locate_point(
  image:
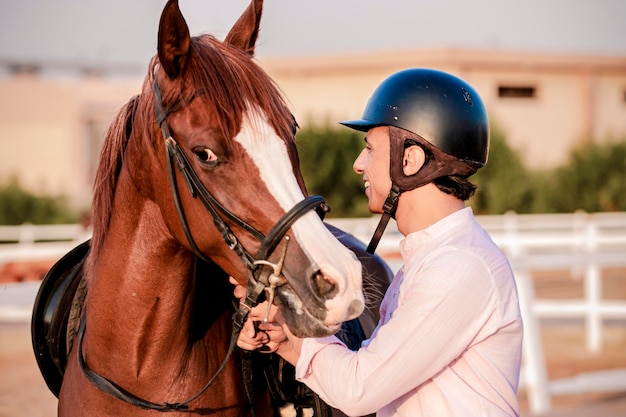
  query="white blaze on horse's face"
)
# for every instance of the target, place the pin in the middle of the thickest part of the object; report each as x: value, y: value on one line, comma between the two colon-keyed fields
x: 337, y: 263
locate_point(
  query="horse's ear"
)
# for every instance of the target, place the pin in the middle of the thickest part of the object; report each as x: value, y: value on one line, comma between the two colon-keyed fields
x: 244, y: 33
x: 174, y: 41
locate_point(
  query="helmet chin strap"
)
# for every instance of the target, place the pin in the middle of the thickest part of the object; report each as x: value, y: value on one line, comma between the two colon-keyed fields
x: 389, y: 210
x: 440, y: 164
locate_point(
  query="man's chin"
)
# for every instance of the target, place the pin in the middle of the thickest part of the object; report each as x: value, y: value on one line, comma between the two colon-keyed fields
x: 375, y: 207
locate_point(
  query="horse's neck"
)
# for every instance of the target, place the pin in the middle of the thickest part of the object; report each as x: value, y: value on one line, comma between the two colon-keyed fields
x: 149, y: 325
x: 140, y: 295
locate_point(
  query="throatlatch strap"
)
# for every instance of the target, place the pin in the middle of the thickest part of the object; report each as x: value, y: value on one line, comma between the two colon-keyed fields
x: 120, y: 393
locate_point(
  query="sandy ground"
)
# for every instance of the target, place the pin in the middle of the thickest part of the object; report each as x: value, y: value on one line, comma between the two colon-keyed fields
x: 23, y: 392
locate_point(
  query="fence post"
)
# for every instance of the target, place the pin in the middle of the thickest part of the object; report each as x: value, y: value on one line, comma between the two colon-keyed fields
x: 27, y: 235
x: 593, y: 293
x: 534, y: 369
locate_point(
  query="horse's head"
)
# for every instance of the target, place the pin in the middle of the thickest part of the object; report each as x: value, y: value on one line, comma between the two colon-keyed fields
x: 230, y: 138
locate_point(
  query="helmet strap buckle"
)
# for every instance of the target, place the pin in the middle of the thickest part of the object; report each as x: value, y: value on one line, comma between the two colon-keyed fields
x: 391, y: 202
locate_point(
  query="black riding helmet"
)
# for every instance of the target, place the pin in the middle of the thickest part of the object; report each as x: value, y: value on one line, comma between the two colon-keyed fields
x: 438, y: 110
x: 439, y: 107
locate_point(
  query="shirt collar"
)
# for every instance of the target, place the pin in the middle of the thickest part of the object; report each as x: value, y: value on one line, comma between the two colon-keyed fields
x: 434, y: 232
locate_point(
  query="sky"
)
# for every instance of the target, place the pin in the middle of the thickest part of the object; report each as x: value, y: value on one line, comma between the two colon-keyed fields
x: 123, y: 32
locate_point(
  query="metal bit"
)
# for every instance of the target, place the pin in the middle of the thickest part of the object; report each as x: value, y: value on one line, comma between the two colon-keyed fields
x: 275, y: 279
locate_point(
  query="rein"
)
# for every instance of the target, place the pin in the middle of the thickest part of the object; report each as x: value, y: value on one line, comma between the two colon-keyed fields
x: 256, y: 285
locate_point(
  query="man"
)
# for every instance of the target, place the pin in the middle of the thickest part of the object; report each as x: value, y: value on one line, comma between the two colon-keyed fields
x: 448, y: 342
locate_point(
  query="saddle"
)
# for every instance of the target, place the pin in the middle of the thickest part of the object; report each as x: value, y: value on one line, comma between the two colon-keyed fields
x: 55, y: 315
x: 59, y: 303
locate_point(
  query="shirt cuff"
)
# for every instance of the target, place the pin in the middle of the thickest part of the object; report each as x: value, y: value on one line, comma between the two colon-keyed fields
x: 309, y: 348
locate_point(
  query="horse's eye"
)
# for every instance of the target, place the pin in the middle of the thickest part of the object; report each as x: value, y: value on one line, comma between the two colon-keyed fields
x: 206, y: 155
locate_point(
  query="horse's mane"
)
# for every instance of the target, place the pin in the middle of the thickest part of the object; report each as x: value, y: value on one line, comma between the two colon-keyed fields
x: 230, y: 81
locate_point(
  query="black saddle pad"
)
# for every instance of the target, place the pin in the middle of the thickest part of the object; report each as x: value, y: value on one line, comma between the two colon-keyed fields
x: 51, y: 313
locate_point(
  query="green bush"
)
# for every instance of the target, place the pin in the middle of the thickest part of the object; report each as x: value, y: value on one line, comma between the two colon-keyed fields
x: 593, y: 180
x: 504, y: 183
x: 327, y: 155
x: 18, y: 206
x: 326, y: 158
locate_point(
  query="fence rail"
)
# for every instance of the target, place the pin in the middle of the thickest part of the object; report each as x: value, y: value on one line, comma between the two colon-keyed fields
x: 28, y: 234
x: 39, y: 242
x: 583, y: 244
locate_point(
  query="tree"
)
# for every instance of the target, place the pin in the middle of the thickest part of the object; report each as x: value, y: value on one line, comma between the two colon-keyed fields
x: 18, y: 206
x: 594, y: 178
x: 503, y: 183
x: 326, y: 158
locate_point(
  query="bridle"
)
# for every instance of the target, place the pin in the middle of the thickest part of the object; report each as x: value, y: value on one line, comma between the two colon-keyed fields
x: 257, y: 284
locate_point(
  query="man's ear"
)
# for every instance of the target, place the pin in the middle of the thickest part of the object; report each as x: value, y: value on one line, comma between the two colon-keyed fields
x: 413, y: 160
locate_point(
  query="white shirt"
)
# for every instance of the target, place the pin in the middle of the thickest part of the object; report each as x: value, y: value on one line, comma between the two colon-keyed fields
x: 449, y: 339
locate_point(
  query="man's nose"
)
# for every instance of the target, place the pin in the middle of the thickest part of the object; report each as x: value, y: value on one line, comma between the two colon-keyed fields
x: 357, y: 166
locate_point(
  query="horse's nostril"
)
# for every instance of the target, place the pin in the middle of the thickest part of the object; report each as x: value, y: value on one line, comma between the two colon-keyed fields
x: 324, y: 286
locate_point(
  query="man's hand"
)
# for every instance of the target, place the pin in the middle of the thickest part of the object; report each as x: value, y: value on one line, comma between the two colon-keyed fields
x: 268, y: 336
x: 258, y: 333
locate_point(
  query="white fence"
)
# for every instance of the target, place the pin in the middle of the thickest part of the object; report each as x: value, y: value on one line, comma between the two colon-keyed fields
x: 583, y: 244
x: 42, y: 242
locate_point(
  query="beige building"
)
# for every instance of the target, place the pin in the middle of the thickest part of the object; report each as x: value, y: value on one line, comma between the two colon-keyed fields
x: 543, y: 103
x: 52, y: 128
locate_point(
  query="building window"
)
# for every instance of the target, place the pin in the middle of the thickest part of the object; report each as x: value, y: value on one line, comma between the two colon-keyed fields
x: 20, y: 68
x: 506, y: 91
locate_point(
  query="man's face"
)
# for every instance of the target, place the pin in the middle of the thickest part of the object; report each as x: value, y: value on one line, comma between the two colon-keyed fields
x: 373, y: 164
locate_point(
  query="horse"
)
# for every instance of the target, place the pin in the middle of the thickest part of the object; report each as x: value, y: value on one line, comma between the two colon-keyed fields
x: 199, y: 180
